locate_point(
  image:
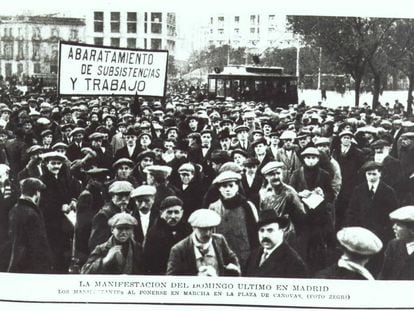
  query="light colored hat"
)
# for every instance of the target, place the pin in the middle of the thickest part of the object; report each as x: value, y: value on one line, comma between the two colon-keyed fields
x: 403, y: 214
x: 346, y: 132
x: 226, y: 176
x: 288, y: 135
x: 59, y: 145
x: 120, y: 187
x: 53, y: 155
x: 204, y: 218
x: 122, y: 219
x: 76, y: 130
x: 322, y: 141
x: 160, y: 169
x: 143, y: 190
x: 359, y: 240
x: 122, y: 161
x: 312, y: 151
x: 186, y: 167
x: 271, y: 166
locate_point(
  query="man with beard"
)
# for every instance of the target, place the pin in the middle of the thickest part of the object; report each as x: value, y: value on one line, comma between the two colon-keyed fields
x: 120, y: 194
x: 238, y: 215
x: 398, y: 257
x: 120, y: 254
x: 275, y: 258
x: 144, y: 212
x: 282, y: 198
x: 287, y: 155
x: 31, y: 252
x: 203, y: 252
x: 59, y: 197
x: 168, y: 230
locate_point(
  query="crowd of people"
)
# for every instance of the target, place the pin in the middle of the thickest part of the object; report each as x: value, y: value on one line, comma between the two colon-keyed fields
x: 212, y: 187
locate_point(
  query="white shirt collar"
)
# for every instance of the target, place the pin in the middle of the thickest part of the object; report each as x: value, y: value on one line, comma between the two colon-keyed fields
x: 410, y: 248
x: 373, y: 185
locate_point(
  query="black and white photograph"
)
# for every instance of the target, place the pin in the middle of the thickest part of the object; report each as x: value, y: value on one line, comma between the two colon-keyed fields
x: 204, y: 154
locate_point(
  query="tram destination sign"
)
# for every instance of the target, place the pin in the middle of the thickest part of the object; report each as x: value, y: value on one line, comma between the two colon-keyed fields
x: 99, y: 70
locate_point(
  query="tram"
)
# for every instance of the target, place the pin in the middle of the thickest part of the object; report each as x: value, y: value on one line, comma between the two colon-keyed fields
x: 252, y: 83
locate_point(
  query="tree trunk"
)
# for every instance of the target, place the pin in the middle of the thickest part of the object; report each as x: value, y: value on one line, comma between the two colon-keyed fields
x: 357, y: 88
x: 376, y: 91
x: 410, y: 95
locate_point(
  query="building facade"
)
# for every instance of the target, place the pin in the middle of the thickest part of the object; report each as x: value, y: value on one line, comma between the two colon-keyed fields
x: 29, y: 45
x: 253, y: 31
x: 132, y: 29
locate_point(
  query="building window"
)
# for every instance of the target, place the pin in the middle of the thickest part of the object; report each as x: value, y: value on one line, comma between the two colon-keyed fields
x: 156, y: 17
x: 156, y: 44
x: 132, y: 22
x: 36, y: 33
x: 253, y: 30
x: 115, y: 21
x: 98, y: 41
x: 54, y: 61
x: 156, y: 20
x: 115, y: 42
x: 74, y: 34
x: 131, y: 43
x: 236, y: 30
x: 220, y: 31
x: 271, y: 30
x: 271, y: 18
x: 237, y: 19
x: 20, y: 52
x: 156, y: 28
x: 171, y: 19
x: 8, y: 50
x: 252, y: 19
x: 211, y: 31
x: 36, y: 67
x: 98, y: 25
x: 19, y: 69
x: 211, y: 20
x: 54, y: 32
x: 145, y: 42
x: 36, y: 51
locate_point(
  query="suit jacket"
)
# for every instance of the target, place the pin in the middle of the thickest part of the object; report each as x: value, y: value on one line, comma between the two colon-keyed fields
x: 291, y: 163
x: 398, y: 265
x: 138, y: 232
x: 123, y: 153
x: 74, y: 151
x: 182, y: 259
x: 284, y: 262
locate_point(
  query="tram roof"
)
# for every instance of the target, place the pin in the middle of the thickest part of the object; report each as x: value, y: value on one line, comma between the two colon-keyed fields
x: 251, y: 71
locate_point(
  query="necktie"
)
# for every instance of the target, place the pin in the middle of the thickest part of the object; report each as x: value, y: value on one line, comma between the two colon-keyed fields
x: 371, y: 192
x: 264, y: 257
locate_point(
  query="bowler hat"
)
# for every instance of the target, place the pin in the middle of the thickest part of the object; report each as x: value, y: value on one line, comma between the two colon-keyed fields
x: 269, y: 216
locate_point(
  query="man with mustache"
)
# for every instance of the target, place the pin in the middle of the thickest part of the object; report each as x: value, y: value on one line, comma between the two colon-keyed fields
x: 274, y: 258
x: 120, y: 254
x: 168, y: 230
x: 287, y: 154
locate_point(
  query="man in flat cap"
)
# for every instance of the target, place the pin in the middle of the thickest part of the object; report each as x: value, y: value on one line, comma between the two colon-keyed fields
x: 242, y: 134
x: 168, y: 230
x: 120, y: 254
x: 358, y: 245
x: 31, y: 252
x: 274, y: 258
x: 144, y: 159
x: 287, y: 155
x: 203, y: 252
x: 59, y: 197
x: 144, y: 211
x: 399, y: 253
x: 74, y: 151
x: 252, y: 180
x: 282, y: 198
x: 34, y: 167
x: 120, y: 194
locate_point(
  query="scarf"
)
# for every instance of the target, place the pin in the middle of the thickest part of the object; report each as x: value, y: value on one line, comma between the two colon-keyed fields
x: 345, y: 263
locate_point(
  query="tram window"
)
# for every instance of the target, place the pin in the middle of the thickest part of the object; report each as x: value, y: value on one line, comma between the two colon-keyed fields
x: 220, y: 87
x: 228, y: 88
x: 212, y: 85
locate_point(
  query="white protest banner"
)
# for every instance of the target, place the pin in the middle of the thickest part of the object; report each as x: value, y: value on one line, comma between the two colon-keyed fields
x: 97, y: 70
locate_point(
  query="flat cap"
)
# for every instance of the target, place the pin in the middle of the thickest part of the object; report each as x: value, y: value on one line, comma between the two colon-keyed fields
x: 407, y: 135
x: 403, y: 214
x: 359, y: 240
x: 379, y: 143
x: 122, y: 219
x: 96, y: 135
x: 226, y: 176
x: 59, y: 145
x: 231, y: 166
x: 171, y: 201
x: 122, y: 161
x: 43, y: 121
x: 76, y: 130
x: 271, y: 166
x: 311, y: 151
x: 251, y: 161
x: 186, y: 167
x: 143, y: 191
x: 159, y: 169
x: 33, y: 149
x: 259, y: 141
x: 204, y: 218
x: 120, y: 187
x: 145, y: 154
x: 346, y: 132
x: 322, y: 141
x: 238, y: 151
x: 288, y: 135
x: 241, y: 128
x: 45, y: 133
x: 53, y: 155
x: 371, y: 165
x: 220, y: 156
